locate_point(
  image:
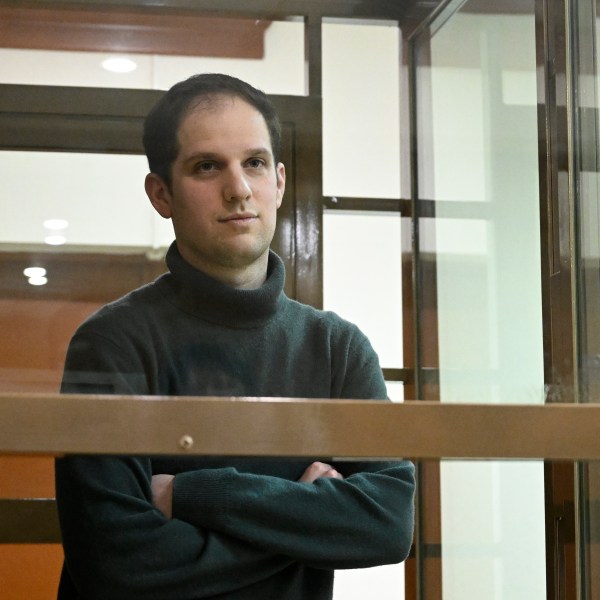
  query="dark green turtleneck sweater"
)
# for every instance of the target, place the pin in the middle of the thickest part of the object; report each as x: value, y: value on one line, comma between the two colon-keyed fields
x: 241, y: 528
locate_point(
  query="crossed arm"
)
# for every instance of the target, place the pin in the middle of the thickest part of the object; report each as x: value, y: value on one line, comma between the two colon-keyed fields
x: 118, y: 545
x: 162, y: 485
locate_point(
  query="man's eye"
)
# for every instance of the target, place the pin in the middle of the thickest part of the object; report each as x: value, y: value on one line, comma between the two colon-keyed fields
x: 256, y: 163
x: 205, y: 167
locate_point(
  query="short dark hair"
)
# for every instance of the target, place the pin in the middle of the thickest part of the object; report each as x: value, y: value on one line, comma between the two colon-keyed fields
x: 163, y: 121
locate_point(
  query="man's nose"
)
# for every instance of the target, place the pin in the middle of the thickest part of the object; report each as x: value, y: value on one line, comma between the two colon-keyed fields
x: 236, y: 186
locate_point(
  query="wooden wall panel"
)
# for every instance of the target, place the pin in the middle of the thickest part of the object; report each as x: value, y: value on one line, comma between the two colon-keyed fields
x: 36, y: 325
x: 26, y: 477
x: 35, y: 335
x: 148, y: 32
x: 30, y: 572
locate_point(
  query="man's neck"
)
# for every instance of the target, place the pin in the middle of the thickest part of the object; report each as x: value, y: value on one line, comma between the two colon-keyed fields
x: 248, y: 277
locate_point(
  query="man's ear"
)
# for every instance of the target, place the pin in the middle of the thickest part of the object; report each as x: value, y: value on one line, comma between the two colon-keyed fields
x: 159, y: 194
x: 280, y: 171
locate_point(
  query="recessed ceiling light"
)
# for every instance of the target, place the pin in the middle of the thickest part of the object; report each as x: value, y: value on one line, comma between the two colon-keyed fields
x: 34, y: 272
x: 55, y: 240
x: 38, y: 280
x: 119, y: 64
x: 36, y: 275
x: 56, y: 223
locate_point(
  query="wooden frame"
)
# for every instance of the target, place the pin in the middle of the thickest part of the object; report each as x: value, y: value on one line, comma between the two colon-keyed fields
x: 267, y: 9
x: 132, y: 32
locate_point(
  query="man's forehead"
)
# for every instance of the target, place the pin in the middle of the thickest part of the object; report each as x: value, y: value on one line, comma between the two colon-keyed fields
x: 211, y: 102
x: 215, y: 103
x: 249, y: 140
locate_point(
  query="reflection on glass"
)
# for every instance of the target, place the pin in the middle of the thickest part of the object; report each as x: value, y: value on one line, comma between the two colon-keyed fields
x: 361, y: 110
x: 90, y: 203
x: 94, y: 200
x: 481, y: 67
x: 478, y: 163
x: 484, y: 238
x: 586, y: 88
x: 280, y: 70
x: 383, y: 583
x: 56, y: 206
x: 362, y: 251
x: 492, y: 538
x: 362, y: 270
x: 395, y: 390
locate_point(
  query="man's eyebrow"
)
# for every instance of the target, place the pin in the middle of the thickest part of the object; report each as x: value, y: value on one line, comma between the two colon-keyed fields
x: 202, y: 156
x: 207, y: 155
x: 260, y: 150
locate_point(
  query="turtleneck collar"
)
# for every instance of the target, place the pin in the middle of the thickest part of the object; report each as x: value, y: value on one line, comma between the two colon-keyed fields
x: 213, y: 301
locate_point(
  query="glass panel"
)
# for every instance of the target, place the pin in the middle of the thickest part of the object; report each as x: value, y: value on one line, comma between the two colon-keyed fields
x: 492, y: 540
x: 361, y: 135
x: 480, y: 257
x: 590, y: 522
x: 586, y: 90
x: 395, y: 390
x: 480, y: 73
x: 383, y: 583
x: 362, y: 251
x: 57, y: 206
x: 81, y: 190
x: 493, y: 530
x: 482, y: 249
x: 362, y: 271
x: 280, y: 69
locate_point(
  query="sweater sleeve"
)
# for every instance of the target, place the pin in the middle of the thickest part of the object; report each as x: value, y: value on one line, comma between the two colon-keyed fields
x: 363, y: 520
x: 117, y: 545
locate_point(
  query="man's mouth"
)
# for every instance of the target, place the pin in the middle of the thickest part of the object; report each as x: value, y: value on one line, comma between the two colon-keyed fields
x: 244, y: 217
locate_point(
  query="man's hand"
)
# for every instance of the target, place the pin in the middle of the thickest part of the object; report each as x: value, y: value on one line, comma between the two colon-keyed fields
x: 162, y: 494
x: 319, y: 469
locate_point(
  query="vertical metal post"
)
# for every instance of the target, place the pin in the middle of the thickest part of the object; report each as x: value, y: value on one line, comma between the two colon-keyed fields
x: 314, y: 58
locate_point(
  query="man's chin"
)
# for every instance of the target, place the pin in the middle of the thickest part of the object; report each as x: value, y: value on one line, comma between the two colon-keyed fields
x: 244, y: 256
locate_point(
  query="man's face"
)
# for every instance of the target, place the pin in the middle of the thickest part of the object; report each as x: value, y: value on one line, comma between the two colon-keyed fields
x: 225, y: 189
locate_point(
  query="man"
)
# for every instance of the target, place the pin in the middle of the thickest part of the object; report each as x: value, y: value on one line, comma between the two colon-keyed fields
x: 219, y: 324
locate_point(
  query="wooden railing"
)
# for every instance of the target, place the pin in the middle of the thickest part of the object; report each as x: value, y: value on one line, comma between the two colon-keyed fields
x: 66, y: 424
x: 341, y: 429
